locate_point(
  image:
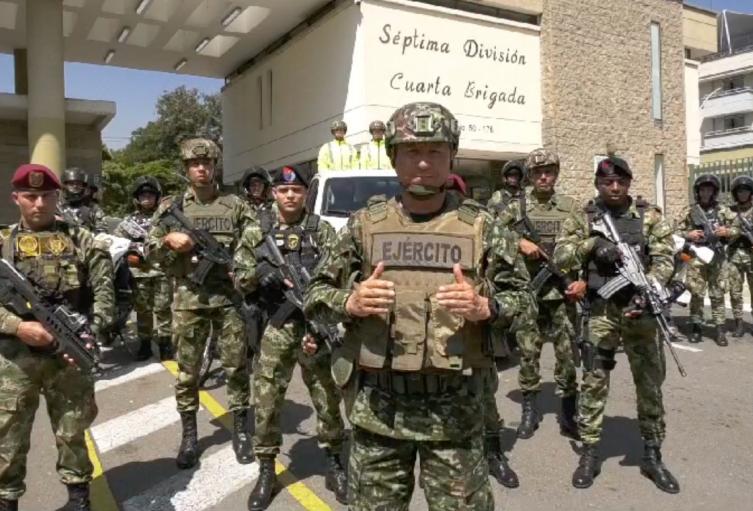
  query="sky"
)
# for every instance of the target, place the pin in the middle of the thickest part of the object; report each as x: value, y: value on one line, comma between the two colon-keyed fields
x: 135, y: 92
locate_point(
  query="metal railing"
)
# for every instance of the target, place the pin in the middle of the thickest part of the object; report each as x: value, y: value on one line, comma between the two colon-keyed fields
x: 725, y: 170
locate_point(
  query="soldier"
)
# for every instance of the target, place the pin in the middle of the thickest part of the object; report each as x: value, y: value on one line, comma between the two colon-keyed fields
x: 256, y: 183
x: 740, y: 262
x: 416, y: 281
x: 579, y: 247
x: 77, y: 201
x: 513, y: 182
x: 719, y: 218
x: 545, y: 210
x: 337, y: 154
x: 69, y: 265
x: 212, y: 306
x: 146, y: 193
x: 302, y: 239
x: 373, y: 153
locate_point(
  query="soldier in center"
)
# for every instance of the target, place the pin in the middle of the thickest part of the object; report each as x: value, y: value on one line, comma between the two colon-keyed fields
x: 417, y: 281
x: 620, y: 320
x: 302, y: 238
x: 538, y: 215
x: 212, y: 306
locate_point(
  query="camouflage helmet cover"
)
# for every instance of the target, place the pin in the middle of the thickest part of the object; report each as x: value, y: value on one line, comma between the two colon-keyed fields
x: 741, y: 182
x: 377, y: 125
x: 75, y: 174
x: 146, y: 183
x: 338, y: 125
x: 706, y: 179
x: 422, y: 122
x: 542, y: 158
x: 193, y: 148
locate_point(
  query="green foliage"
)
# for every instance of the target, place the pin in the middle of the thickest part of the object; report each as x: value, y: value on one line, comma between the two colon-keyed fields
x: 117, y: 179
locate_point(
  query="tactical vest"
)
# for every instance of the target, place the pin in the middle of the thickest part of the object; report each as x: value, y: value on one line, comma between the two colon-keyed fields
x: 418, y: 334
x: 49, y: 259
x: 297, y: 243
x: 547, y: 220
x: 713, y: 215
x: 630, y: 230
x: 741, y: 242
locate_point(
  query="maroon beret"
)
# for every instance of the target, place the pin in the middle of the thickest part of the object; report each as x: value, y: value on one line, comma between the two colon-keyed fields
x: 34, y: 177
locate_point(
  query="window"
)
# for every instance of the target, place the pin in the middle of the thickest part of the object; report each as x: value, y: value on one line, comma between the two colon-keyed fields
x: 311, y: 196
x: 733, y: 122
x: 659, y: 198
x: 736, y: 82
x: 344, y: 195
x: 269, y: 93
x: 656, y: 106
x: 260, y: 90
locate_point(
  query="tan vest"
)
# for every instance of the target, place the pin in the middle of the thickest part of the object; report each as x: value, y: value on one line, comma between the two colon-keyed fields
x: 420, y: 335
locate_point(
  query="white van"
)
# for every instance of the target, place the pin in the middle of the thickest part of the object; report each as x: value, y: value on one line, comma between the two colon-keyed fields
x: 335, y: 195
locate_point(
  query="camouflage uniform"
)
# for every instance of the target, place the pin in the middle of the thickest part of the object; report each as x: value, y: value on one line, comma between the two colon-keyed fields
x: 739, y: 263
x: 699, y: 275
x: 65, y: 258
x: 88, y: 214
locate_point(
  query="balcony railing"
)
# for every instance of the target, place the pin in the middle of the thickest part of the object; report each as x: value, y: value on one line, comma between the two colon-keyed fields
x: 722, y: 139
x: 728, y: 102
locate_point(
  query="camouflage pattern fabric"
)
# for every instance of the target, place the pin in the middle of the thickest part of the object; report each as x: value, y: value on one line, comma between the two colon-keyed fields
x: 501, y: 198
x: 493, y: 421
x: 163, y: 314
x: 68, y: 257
x: 191, y: 329
x: 280, y: 352
x: 609, y: 327
x: 739, y: 264
x: 87, y: 214
x: 454, y: 474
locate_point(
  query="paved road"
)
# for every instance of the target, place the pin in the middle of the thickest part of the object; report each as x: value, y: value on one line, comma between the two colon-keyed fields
x: 709, y: 446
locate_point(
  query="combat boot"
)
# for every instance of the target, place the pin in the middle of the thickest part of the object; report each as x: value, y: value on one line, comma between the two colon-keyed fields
x: 529, y: 420
x: 336, y: 481
x: 653, y: 468
x: 188, y: 452
x: 499, y: 467
x: 166, y: 351
x: 145, y: 349
x: 242, y: 445
x: 8, y: 505
x: 78, y: 497
x: 696, y: 333
x: 262, y: 494
x: 568, y: 424
x: 719, y: 336
x: 588, y: 467
x: 739, y: 328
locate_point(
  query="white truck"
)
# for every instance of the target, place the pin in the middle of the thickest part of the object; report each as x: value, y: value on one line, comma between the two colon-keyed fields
x: 336, y: 194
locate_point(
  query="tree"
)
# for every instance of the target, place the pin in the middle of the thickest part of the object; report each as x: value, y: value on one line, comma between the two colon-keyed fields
x: 118, y: 178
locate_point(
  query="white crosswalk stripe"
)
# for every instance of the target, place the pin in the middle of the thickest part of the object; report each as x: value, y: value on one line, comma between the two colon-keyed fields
x: 134, y: 374
x: 218, y: 476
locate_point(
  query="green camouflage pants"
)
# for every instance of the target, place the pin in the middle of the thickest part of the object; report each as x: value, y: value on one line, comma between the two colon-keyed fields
x: 70, y: 406
x: 555, y: 323
x: 152, y: 306
x: 163, y: 299
x: 737, y: 272
x: 698, y: 277
x: 280, y: 351
x: 191, y: 329
x: 608, y: 329
x: 493, y: 422
x: 454, y: 474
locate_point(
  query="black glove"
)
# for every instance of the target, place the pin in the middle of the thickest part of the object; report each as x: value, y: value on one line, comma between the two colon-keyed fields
x: 605, y: 252
x: 269, y: 276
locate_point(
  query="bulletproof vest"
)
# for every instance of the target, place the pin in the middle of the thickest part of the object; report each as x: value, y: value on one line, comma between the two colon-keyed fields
x: 81, y: 214
x: 507, y: 197
x: 49, y: 260
x: 418, y: 334
x: 630, y: 230
x: 547, y: 219
x: 297, y: 244
x: 713, y: 216
x: 741, y: 242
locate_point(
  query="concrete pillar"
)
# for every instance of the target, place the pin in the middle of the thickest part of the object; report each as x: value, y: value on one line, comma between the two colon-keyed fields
x: 20, y: 74
x: 46, y: 83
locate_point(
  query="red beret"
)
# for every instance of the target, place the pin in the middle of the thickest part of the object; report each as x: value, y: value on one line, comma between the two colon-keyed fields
x: 34, y: 177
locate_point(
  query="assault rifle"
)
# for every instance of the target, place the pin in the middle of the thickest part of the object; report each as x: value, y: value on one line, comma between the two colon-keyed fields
x: 657, y: 297
x: 208, y: 251
x: 70, y: 329
x: 583, y: 349
x: 299, y: 277
x: 746, y: 228
x: 547, y: 270
x: 699, y: 218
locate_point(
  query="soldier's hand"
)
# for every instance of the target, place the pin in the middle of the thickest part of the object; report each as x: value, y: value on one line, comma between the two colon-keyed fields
x: 696, y: 235
x: 529, y: 249
x: 576, y: 291
x: 372, y: 296
x: 461, y: 298
x: 34, y: 334
x: 309, y: 345
x: 178, y: 242
x: 722, y: 231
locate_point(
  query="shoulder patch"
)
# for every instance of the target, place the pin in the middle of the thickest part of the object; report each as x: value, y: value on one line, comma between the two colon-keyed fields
x: 376, y: 208
x: 565, y: 203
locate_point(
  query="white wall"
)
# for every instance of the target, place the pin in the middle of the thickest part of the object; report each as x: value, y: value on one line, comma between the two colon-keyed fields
x: 692, y: 112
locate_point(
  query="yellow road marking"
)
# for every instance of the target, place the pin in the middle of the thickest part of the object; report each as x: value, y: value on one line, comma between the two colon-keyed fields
x: 298, y: 490
x: 102, y: 498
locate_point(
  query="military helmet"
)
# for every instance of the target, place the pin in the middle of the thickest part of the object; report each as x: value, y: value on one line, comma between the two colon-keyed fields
x: 377, y: 125
x: 514, y: 165
x: 542, y: 158
x: 75, y: 174
x: 741, y: 182
x: 146, y: 183
x: 338, y: 125
x: 706, y: 179
x: 422, y: 122
x: 193, y: 148
x: 255, y: 171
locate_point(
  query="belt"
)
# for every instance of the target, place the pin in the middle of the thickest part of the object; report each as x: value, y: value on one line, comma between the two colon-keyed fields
x: 417, y: 383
